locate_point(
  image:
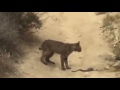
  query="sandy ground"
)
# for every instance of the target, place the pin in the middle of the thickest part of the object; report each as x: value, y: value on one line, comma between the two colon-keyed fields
x: 70, y: 27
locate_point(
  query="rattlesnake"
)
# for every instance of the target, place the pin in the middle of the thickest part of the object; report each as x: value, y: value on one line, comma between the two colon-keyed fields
x: 88, y: 70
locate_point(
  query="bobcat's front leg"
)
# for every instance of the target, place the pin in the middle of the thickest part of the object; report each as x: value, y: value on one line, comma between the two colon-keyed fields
x: 62, y: 62
x: 66, y: 63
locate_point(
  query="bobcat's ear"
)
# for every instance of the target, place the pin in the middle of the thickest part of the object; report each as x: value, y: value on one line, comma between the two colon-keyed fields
x: 78, y: 42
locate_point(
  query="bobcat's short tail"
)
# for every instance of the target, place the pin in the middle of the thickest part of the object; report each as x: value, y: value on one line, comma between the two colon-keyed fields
x: 40, y: 48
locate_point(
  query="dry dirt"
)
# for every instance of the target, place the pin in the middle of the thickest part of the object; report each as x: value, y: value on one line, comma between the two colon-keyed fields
x: 70, y: 27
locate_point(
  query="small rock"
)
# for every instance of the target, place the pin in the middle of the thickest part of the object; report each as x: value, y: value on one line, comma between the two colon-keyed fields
x: 116, y: 64
x: 86, y: 74
x: 107, y: 67
x: 80, y: 35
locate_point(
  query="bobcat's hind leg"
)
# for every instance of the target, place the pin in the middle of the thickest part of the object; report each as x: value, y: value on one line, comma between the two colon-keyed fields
x: 43, y: 57
x: 48, y: 58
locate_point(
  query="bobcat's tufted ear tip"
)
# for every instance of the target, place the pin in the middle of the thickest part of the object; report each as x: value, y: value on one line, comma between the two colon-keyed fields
x: 78, y: 42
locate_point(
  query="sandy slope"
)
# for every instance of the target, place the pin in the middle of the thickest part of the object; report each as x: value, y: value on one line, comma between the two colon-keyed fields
x: 69, y: 27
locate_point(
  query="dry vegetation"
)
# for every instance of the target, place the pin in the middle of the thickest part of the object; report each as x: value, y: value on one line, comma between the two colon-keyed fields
x: 15, y: 29
x: 99, y: 13
x: 111, y: 32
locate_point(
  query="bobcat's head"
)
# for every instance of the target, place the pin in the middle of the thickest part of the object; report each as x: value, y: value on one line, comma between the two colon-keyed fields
x: 77, y: 47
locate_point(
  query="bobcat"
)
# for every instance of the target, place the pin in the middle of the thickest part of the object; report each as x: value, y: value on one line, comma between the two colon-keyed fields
x: 49, y: 47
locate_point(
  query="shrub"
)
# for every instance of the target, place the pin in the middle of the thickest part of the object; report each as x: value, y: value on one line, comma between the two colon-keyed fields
x: 111, y: 32
x: 13, y: 27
